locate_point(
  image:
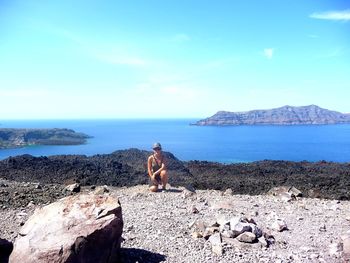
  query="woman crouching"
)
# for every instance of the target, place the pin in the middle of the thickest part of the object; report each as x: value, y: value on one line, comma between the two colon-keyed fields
x: 157, y: 168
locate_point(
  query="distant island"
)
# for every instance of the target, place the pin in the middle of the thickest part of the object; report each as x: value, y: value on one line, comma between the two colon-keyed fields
x: 15, y: 138
x: 286, y: 115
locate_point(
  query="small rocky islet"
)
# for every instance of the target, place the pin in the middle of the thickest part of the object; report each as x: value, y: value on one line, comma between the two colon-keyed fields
x: 299, y: 210
x: 286, y: 115
x: 16, y: 138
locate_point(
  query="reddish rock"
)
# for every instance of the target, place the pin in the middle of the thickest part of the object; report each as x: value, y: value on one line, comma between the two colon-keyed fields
x: 80, y: 228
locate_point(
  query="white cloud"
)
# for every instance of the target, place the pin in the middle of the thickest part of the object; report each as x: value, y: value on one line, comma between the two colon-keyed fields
x: 332, y: 15
x: 180, y: 38
x: 268, y: 52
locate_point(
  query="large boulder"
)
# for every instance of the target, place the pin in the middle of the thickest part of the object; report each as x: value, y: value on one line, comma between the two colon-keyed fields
x: 80, y: 228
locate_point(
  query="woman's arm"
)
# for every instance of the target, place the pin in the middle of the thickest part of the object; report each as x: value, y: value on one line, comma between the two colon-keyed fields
x: 149, y: 166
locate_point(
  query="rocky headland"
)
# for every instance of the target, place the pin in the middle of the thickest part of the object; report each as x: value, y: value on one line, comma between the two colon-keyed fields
x: 286, y: 115
x: 14, y: 138
x: 297, y: 211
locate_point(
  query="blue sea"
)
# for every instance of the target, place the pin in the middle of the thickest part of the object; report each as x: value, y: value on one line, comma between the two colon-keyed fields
x: 229, y: 144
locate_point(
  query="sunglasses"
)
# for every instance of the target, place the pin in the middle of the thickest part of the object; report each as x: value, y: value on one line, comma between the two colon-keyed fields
x: 156, y: 149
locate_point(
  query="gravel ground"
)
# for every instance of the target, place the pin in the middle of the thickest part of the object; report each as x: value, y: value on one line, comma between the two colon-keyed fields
x: 157, y: 225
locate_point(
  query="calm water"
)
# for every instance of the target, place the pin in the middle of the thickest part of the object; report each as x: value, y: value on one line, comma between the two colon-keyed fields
x: 221, y: 144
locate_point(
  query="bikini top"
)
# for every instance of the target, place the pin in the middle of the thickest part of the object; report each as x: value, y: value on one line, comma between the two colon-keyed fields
x: 155, y: 165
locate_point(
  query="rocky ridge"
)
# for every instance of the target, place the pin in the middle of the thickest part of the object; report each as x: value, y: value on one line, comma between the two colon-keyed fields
x: 286, y: 115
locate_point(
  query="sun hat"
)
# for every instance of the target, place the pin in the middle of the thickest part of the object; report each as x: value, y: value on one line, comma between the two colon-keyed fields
x: 157, y: 145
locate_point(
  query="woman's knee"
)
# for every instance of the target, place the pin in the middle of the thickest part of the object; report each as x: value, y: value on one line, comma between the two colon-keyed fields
x: 153, y: 188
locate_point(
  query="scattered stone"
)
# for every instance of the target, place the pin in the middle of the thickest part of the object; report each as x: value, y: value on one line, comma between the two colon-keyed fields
x: 222, y: 221
x: 228, y: 234
x: 234, y: 221
x: 263, y: 242
x: 279, y: 225
x: 31, y: 204
x: 200, y: 225
x: 73, y: 188
x: 100, y: 190
x: 270, y: 239
x: 197, y: 235
x: 215, y: 241
x: 195, y: 210
x: 228, y: 192
x: 323, y: 228
x: 256, y: 230
x: 232, y: 232
x: 286, y: 197
x: 241, y: 228
x: 286, y: 193
x: 247, y: 237
x: 212, y: 223
x: 296, y: 192
x: 209, y: 231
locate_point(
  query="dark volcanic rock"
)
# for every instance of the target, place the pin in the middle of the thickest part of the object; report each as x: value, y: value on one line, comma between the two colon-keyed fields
x: 6, y: 248
x: 21, y: 194
x: 128, y: 168
x: 12, y: 138
x: 121, y: 168
x: 330, y: 180
x: 286, y: 115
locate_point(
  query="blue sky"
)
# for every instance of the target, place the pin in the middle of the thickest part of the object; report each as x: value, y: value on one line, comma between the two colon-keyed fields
x: 171, y: 59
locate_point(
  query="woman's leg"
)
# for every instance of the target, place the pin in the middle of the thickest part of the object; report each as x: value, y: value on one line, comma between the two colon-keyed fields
x: 164, y: 178
x: 154, y: 184
x: 154, y: 188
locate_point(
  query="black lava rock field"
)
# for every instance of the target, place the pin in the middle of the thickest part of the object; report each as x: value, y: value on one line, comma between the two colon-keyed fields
x: 128, y: 168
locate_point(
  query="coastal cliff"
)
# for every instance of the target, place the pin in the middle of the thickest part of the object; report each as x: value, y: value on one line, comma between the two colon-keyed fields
x: 14, y: 138
x: 286, y: 115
